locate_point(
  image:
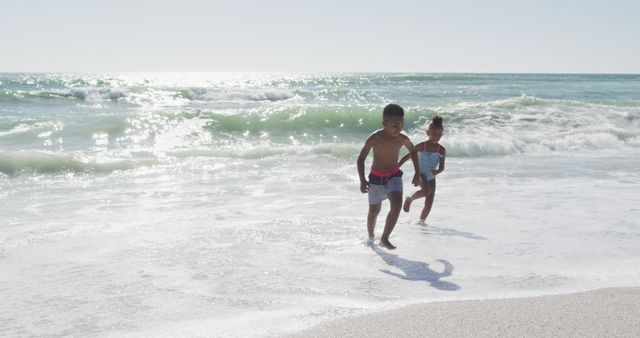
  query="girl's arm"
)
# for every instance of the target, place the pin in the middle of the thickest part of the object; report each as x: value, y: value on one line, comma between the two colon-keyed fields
x: 414, y: 159
x: 404, y: 159
x: 407, y: 157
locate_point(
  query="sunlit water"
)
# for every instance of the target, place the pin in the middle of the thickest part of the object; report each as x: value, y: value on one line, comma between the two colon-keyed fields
x: 229, y: 204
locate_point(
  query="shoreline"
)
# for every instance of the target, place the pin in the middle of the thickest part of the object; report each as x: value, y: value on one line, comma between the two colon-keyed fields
x: 597, y: 313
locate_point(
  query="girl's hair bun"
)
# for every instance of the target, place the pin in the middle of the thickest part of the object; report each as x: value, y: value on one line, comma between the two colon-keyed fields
x: 437, y: 121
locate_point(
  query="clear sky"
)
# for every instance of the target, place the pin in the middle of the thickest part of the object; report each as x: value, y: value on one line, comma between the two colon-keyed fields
x: 560, y: 36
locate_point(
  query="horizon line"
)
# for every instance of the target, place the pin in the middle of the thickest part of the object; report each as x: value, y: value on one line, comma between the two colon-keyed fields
x: 328, y: 72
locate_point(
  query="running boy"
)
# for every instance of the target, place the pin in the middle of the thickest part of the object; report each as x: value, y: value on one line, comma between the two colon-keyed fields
x: 385, y: 179
x: 431, y: 155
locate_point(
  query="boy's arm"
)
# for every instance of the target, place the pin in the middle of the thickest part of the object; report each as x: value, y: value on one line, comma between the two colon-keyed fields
x: 406, y: 157
x: 364, y: 185
x: 414, y: 159
x: 441, y: 165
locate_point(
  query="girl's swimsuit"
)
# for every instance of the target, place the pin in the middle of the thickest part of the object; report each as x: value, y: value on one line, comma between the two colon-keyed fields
x: 428, y: 162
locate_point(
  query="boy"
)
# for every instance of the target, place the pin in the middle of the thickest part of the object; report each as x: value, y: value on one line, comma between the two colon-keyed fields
x: 385, y: 179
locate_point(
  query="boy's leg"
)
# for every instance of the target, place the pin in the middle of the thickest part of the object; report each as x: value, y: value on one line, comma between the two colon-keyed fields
x: 377, y: 194
x: 428, y: 201
x: 395, y: 199
x: 372, y: 216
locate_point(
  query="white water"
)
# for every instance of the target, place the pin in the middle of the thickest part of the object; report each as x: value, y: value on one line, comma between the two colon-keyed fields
x: 199, y: 208
x: 259, y: 247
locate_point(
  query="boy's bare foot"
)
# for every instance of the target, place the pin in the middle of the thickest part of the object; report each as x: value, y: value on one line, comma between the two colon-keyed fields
x: 370, y: 240
x: 387, y: 244
x: 407, y: 204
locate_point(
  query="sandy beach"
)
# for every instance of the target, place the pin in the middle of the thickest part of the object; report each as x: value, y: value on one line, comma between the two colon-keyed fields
x: 601, y: 313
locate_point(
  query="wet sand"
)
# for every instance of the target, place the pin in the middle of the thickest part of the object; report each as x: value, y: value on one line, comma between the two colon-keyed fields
x: 611, y: 312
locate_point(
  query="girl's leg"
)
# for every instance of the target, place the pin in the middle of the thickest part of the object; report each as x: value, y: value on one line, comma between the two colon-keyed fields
x: 418, y: 194
x: 372, y: 216
x: 428, y: 201
x: 409, y: 199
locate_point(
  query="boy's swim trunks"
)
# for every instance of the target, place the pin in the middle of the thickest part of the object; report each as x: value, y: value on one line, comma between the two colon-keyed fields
x: 382, y: 183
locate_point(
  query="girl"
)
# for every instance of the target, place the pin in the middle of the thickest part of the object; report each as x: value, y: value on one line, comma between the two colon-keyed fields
x: 431, y: 155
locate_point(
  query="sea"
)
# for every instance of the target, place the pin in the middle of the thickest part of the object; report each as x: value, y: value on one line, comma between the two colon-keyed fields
x: 228, y: 204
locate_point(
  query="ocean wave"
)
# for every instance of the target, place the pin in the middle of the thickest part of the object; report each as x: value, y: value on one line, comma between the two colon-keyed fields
x: 16, y: 129
x: 514, y: 115
x: 522, y: 101
x: 305, y: 120
x: 517, y: 125
x: 215, y: 90
x: 85, y: 94
x: 528, y: 124
x: 483, y: 145
x: 112, y: 94
x: 528, y: 111
x: 29, y: 128
x: 261, y: 151
x: 152, y: 96
x: 35, y: 162
x: 38, y: 162
x: 225, y: 94
x: 339, y: 108
x: 35, y: 129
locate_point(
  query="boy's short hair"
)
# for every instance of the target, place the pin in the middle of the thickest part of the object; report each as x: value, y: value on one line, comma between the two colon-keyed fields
x: 393, y: 109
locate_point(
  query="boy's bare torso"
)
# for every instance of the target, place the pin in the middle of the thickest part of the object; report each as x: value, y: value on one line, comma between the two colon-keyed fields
x: 386, y: 150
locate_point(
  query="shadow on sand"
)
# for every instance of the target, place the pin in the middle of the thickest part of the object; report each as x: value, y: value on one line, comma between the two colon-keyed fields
x: 431, y: 230
x: 417, y: 271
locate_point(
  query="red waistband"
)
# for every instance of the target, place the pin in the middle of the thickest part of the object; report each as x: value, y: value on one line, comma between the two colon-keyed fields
x: 385, y: 173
